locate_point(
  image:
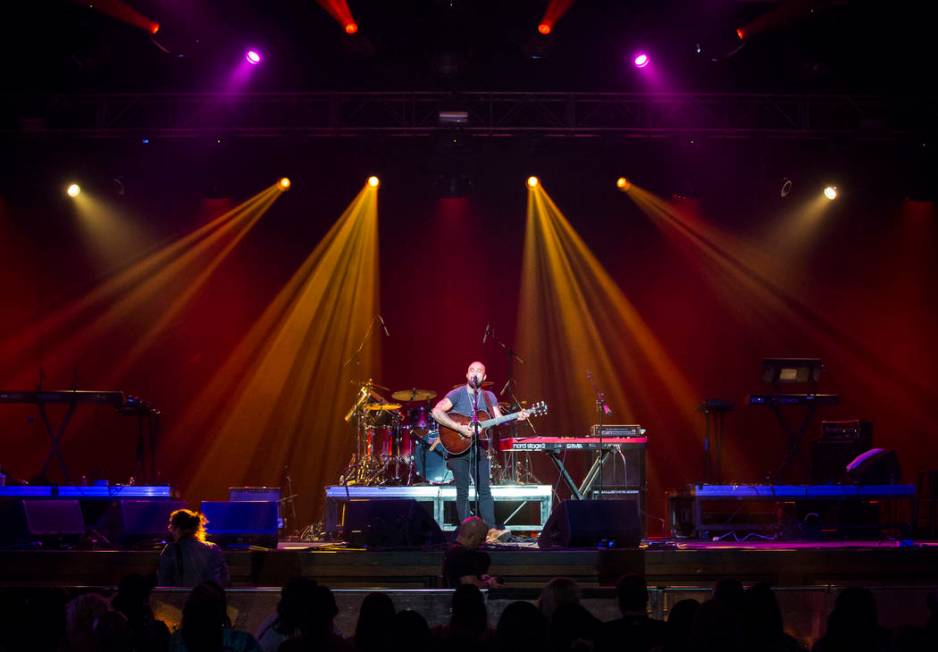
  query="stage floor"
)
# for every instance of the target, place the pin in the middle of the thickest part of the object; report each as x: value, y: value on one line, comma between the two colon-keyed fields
x: 665, y: 563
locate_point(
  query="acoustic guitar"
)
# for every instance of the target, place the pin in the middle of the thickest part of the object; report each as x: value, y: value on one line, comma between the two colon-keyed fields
x: 456, y: 443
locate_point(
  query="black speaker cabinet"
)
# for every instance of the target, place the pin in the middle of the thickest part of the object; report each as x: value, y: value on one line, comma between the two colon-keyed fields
x: 137, y: 523
x: 389, y: 523
x: 591, y: 524
x: 829, y: 460
x: 48, y: 523
x: 241, y: 523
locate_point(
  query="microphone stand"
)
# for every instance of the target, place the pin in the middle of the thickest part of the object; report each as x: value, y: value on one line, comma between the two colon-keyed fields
x: 509, y: 387
x: 601, y: 406
x: 512, y: 357
x: 474, y: 450
x: 356, y: 354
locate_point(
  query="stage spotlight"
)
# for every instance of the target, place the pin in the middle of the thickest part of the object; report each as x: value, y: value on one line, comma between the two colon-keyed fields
x: 284, y: 183
x: 785, y: 190
x: 641, y: 60
x: 830, y: 192
x: 544, y: 29
x: 533, y: 182
x: 623, y: 184
x: 73, y: 190
x: 154, y: 27
x: 351, y: 28
x: 740, y: 33
x: 253, y: 57
x: 374, y: 182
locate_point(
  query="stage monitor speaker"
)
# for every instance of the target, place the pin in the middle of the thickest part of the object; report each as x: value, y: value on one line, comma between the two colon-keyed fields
x: 829, y: 460
x: 592, y: 524
x: 875, y: 466
x: 389, y: 523
x: 241, y: 523
x: 137, y: 523
x: 271, y: 494
x: 48, y: 523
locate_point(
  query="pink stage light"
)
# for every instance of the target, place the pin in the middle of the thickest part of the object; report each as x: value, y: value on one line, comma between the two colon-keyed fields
x: 253, y: 57
x: 641, y: 60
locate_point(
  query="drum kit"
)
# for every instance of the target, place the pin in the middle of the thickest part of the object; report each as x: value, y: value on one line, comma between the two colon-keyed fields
x: 397, y: 441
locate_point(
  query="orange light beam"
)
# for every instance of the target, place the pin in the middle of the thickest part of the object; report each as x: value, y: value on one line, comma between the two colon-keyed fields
x: 554, y: 12
x: 776, y: 18
x: 340, y: 11
x: 123, y: 12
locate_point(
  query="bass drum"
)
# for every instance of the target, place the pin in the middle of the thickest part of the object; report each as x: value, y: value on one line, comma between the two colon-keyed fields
x: 429, y: 464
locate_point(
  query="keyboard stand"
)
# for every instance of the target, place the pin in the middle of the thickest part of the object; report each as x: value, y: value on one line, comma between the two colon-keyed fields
x: 55, y: 440
x: 579, y: 492
x: 555, y: 457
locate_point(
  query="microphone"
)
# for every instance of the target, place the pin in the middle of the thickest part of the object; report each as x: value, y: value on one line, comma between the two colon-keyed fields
x: 474, y: 382
x: 488, y: 330
x: 381, y: 319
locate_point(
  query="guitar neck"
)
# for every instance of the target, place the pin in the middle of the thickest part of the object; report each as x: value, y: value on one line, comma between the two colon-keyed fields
x: 496, y: 421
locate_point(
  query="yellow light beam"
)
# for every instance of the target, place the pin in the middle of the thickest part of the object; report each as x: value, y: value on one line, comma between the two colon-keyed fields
x: 282, y: 394
x: 172, y: 284
x: 761, y: 283
x: 79, y: 315
x: 573, y: 317
x: 178, y: 302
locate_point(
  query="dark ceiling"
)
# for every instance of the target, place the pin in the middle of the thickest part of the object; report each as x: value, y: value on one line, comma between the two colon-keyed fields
x: 860, y: 47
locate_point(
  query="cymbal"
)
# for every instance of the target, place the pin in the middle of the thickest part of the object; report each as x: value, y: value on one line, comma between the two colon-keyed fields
x: 376, y: 407
x: 485, y: 384
x: 370, y: 384
x: 376, y: 397
x: 412, y: 395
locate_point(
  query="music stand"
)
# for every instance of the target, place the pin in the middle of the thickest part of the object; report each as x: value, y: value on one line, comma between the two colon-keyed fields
x: 802, y: 371
x: 792, y: 371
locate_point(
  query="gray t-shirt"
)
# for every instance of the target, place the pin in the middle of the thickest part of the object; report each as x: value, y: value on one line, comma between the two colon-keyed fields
x: 190, y: 562
x: 462, y: 403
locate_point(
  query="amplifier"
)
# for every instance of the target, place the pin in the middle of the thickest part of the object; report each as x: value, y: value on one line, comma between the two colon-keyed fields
x: 618, y: 430
x: 848, y: 430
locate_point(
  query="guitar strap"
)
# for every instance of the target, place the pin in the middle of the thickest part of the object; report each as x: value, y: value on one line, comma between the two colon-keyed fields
x: 488, y: 408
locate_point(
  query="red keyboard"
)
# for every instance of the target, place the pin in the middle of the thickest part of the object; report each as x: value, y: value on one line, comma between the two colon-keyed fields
x: 565, y: 443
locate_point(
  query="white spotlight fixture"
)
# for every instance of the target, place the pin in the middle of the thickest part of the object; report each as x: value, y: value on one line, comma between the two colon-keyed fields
x: 73, y: 190
x: 830, y: 192
x: 533, y: 182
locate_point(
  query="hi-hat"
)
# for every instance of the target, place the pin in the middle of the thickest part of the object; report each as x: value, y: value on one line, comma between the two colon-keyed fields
x: 369, y: 384
x: 412, y: 395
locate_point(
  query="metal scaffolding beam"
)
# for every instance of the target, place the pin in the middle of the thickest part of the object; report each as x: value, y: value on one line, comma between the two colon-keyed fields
x: 488, y: 114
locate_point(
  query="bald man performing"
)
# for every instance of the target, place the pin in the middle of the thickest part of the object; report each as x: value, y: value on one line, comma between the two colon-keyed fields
x: 461, y: 401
